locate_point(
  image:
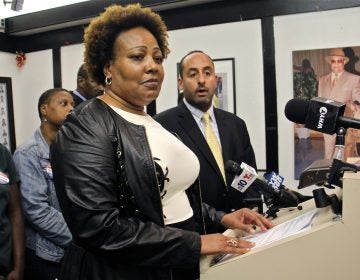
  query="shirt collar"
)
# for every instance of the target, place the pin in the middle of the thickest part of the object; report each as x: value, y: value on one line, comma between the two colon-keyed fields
x: 197, y: 113
x: 79, y: 95
x: 337, y: 75
x: 43, y: 147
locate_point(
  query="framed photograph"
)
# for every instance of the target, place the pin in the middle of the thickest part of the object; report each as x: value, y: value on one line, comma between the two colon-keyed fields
x: 333, y: 74
x: 7, y: 128
x: 225, y: 94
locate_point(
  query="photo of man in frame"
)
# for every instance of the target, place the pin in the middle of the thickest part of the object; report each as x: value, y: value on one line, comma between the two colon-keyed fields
x: 333, y: 74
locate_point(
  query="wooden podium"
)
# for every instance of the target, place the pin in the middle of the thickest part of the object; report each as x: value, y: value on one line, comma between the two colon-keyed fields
x: 330, y: 250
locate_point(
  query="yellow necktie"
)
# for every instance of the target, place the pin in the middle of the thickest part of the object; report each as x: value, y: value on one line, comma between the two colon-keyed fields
x: 335, y: 80
x: 213, y: 143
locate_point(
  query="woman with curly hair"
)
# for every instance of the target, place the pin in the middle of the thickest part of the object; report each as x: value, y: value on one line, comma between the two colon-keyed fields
x: 127, y: 187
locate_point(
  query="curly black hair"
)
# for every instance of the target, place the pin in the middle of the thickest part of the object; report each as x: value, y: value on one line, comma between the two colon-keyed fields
x: 100, y: 35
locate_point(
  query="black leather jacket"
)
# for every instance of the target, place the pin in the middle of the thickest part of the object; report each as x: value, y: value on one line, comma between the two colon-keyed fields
x: 106, y: 182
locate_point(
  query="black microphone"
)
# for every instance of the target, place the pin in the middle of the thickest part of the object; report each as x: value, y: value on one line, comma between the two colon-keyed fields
x: 246, y: 176
x: 319, y: 114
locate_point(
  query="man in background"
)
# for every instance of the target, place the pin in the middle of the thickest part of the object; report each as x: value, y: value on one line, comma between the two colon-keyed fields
x: 86, y: 88
x: 342, y: 86
x: 192, y: 120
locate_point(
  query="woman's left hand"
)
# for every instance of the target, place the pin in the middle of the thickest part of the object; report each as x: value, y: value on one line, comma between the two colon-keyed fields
x: 245, y: 219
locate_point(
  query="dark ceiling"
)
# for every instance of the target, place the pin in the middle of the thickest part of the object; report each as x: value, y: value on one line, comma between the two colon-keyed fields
x: 190, y: 12
x: 80, y: 14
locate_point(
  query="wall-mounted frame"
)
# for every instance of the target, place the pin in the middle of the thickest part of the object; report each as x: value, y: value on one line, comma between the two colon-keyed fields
x: 225, y: 92
x: 7, y: 128
x: 312, y: 76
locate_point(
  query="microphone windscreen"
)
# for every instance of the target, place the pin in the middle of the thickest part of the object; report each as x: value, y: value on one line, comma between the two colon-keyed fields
x: 296, y: 110
x: 232, y: 167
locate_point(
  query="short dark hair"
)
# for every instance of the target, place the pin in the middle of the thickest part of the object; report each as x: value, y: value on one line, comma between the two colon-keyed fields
x: 102, y: 31
x: 181, y: 63
x: 82, y: 72
x: 46, y: 96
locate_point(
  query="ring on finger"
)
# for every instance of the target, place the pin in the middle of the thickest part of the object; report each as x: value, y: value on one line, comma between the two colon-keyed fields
x: 232, y: 243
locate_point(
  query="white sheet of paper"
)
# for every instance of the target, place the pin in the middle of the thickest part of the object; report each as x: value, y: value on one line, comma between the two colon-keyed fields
x: 288, y: 228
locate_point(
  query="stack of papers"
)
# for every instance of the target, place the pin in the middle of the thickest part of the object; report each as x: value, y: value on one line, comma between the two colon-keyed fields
x: 294, y: 226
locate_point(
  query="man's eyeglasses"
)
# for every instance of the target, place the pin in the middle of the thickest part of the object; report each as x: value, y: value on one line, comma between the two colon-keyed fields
x: 336, y: 61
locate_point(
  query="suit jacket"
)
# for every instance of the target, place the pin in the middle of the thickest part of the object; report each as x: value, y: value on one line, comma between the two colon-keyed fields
x: 235, y: 144
x: 346, y: 89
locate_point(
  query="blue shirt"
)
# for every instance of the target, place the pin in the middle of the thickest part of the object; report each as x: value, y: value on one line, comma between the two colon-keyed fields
x: 46, y: 231
x: 79, y: 95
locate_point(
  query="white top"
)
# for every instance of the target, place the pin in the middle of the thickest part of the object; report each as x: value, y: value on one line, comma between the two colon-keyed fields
x: 176, y: 159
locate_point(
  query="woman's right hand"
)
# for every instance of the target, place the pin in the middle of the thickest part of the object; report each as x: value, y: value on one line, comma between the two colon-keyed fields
x: 220, y: 244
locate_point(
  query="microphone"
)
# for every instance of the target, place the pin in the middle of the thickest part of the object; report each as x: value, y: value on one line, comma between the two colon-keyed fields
x: 325, y: 116
x: 274, y: 192
x: 319, y: 114
x: 274, y: 180
x: 245, y: 176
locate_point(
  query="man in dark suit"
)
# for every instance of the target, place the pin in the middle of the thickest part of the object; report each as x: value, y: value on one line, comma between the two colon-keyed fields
x: 86, y: 88
x: 198, y: 83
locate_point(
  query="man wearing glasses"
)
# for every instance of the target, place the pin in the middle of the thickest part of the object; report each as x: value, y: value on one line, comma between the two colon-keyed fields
x: 342, y: 86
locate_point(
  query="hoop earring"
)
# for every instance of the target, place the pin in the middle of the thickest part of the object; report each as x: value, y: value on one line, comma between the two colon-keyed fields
x: 108, y: 81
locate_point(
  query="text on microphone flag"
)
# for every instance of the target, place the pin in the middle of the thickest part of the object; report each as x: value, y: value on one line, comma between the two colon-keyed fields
x: 244, y: 180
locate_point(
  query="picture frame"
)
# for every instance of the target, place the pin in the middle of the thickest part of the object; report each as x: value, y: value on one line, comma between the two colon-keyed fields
x: 225, y: 91
x: 312, y: 74
x: 7, y: 127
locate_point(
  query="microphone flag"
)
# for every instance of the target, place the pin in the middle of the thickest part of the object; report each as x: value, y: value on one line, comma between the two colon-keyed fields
x: 244, y: 180
x: 323, y: 114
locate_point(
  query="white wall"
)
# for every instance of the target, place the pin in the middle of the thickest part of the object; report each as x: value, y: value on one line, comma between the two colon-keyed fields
x: 335, y: 28
x: 71, y: 59
x: 28, y: 83
x: 34, y: 78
